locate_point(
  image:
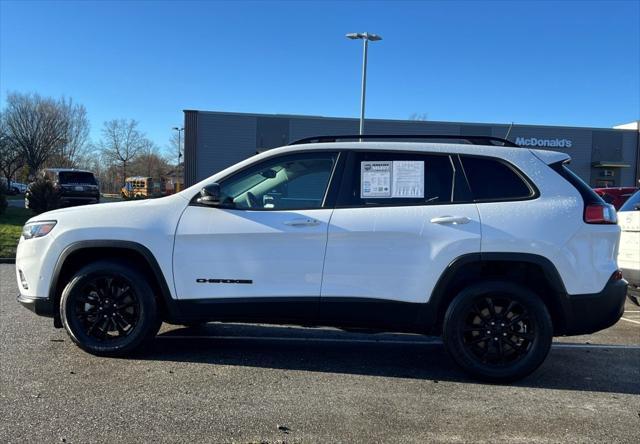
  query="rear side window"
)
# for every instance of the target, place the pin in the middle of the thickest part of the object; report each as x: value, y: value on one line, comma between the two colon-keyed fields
x: 494, y: 180
x: 397, y: 179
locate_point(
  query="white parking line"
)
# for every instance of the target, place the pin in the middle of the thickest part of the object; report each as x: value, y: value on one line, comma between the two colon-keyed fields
x: 597, y: 346
x: 631, y: 320
x: 380, y: 341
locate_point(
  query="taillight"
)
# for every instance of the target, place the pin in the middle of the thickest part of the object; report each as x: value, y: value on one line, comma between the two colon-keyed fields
x: 600, y: 214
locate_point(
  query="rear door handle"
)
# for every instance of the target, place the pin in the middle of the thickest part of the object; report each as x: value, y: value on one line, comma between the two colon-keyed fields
x: 302, y: 222
x: 455, y: 220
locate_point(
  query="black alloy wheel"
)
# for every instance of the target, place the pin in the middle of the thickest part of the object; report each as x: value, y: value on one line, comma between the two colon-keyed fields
x: 108, y: 308
x: 497, y: 331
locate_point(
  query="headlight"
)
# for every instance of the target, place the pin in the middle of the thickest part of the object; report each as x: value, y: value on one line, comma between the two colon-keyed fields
x: 38, y: 229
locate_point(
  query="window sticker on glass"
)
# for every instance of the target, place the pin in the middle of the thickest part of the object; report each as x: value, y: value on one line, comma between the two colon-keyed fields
x: 375, y: 179
x: 408, y: 178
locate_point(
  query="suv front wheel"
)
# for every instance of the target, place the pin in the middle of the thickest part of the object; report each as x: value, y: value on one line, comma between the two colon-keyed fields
x: 498, y: 331
x: 109, y: 309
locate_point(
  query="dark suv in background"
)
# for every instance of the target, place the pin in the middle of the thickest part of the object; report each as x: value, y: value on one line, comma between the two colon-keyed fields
x: 76, y: 187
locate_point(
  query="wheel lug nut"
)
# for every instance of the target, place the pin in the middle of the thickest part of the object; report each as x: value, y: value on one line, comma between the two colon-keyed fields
x: 495, y: 339
x: 493, y: 323
x: 504, y: 334
x: 488, y: 332
x: 502, y: 325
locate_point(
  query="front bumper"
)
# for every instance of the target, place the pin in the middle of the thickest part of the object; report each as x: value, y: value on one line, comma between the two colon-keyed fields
x: 588, y: 313
x: 40, y: 306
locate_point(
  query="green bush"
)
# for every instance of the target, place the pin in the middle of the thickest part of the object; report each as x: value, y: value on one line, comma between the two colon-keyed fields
x: 42, y: 196
x: 3, y: 197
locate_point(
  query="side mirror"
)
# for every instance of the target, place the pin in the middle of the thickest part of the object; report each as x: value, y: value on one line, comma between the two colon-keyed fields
x: 210, y: 195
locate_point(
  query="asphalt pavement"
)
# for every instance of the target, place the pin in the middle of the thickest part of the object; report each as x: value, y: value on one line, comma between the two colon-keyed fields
x: 265, y: 384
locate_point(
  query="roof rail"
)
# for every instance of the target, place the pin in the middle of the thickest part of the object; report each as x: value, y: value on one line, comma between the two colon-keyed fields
x: 474, y: 140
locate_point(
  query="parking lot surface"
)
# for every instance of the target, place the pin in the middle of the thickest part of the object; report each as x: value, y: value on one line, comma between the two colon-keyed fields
x: 247, y: 383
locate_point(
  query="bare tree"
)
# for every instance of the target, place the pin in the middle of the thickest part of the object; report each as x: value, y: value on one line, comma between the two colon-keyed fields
x: 121, y: 142
x: 37, y: 126
x: 150, y: 163
x: 11, y: 159
x: 77, y: 135
x: 176, y: 148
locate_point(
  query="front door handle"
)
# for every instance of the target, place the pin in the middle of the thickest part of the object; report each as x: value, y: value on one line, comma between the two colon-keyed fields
x: 302, y: 222
x: 455, y: 220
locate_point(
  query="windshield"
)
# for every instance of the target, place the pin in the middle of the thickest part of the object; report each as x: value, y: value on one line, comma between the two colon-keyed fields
x: 76, y: 177
x: 633, y: 203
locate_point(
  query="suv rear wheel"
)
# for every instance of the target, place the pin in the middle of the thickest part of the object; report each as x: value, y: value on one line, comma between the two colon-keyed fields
x: 109, y: 309
x: 498, y: 331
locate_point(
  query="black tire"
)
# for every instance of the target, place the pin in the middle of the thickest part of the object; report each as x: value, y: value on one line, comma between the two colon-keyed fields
x: 497, y: 331
x: 108, y: 309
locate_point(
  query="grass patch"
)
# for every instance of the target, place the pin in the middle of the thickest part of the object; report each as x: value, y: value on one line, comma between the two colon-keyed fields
x: 11, y: 222
x: 111, y: 198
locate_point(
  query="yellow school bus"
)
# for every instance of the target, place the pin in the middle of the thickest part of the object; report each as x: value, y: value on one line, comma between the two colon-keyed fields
x: 139, y: 187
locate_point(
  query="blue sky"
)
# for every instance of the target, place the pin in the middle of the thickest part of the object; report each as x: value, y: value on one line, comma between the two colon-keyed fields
x: 559, y: 63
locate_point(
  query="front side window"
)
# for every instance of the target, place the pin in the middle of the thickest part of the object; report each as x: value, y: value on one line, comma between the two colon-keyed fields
x: 491, y: 179
x: 392, y: 179
x: 286, y: 183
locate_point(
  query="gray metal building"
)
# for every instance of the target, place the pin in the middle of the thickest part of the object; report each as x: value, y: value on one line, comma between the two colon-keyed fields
x: 216, y: 140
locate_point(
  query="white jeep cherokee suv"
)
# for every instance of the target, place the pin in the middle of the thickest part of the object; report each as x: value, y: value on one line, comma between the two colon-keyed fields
x: 496, y: 248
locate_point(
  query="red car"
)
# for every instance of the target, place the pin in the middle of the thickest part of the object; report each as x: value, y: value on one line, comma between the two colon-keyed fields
x: 615, y: 196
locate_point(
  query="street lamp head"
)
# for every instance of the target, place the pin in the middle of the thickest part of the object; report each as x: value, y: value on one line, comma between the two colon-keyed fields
x: 363, y: 36
x: 177, y: 129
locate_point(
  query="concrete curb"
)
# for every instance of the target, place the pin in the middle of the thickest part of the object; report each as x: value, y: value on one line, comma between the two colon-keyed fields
x: 7, y: 260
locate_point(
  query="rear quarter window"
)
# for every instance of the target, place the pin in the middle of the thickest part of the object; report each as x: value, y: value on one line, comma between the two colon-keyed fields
x: 589, y: 196
x: 633, y: 203
x: 495, y: 180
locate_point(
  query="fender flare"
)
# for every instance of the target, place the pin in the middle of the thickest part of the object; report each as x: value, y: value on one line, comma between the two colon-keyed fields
x: 438, y: 297
x: 170, y: 303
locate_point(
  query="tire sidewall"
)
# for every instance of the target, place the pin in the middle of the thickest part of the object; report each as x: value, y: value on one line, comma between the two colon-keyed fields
x: 148, y: 317
x: 454, y: 324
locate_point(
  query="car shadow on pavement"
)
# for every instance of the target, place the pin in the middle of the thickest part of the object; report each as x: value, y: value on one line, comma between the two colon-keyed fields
x: 612, y: 370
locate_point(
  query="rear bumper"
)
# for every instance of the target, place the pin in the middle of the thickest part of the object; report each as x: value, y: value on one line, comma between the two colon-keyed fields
x: 40, y: 306
x: 633, y: 276
x: 588, y: 313
x: 79, y: 199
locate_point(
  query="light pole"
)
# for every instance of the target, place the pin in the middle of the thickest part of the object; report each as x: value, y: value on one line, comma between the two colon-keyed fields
x: 365, y: 37
x: 179, y: 130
